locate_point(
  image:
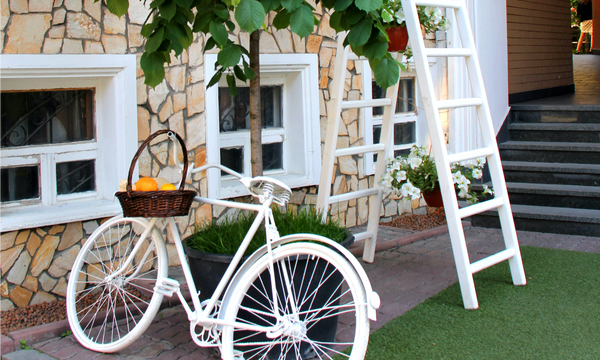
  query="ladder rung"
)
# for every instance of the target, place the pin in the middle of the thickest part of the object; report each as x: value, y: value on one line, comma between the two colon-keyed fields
x: 365, y: 103
x: 492, y: 260
x: 480, y: 207
x: 363, y: 235
x: 355, y: 150
x: 439, y: 3
x: 353, y: 195
x: 448, y: 52
x: 471, y: 154
x: 456, y: 103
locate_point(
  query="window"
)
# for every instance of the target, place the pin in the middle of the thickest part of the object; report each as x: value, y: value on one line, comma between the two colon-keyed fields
x: 68, y: 133
x: 290, y: 119
x: 405, y: 118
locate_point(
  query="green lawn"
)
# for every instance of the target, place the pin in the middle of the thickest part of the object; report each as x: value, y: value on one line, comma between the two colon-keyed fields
x: 555, y: 316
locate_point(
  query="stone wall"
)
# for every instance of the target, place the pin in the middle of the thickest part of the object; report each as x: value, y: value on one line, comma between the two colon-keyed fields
x: 36, y: 262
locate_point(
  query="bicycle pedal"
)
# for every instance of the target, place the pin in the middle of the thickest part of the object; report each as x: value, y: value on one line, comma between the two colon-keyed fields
x: 167, y: 287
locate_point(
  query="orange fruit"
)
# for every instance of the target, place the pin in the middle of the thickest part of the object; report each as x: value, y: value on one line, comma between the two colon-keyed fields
x: 146, y: 184
x: 168, y: 187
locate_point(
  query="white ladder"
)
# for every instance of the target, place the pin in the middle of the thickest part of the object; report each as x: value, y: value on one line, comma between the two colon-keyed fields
x: 331, y: 153
x: 454, y: 215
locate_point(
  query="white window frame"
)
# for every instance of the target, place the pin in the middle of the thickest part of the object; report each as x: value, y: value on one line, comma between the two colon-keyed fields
x: 115, y: 117
x: 298, y: 73
x: 371, y: 120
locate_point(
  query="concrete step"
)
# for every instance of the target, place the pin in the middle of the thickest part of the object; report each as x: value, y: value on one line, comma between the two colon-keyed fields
x: 555, y: 114
x: 557, y: 152
x: 552, y: 173
x: 546, y: 219
x: 554, y: 195
x: 555, y: 132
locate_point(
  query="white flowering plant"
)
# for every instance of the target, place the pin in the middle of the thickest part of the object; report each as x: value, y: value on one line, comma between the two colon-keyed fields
x: 410, y: 175
x: 431, y: 17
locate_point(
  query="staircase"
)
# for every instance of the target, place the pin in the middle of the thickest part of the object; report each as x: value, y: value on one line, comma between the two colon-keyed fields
x: 552, y: 169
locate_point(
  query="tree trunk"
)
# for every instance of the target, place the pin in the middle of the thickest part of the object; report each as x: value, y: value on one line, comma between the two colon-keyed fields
x: 255, y: 108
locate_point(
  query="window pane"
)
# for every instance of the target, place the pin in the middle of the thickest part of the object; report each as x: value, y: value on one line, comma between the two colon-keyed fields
x: 404, y: 133
x: 272, y: 156
x: 46, y: 117
x: 20, y: 183
x: 233, y: 158
x: 234, y: 112
x: 401, y: 152
x: 376, y: 138
x: 406, y: 96
x: 75, y: 177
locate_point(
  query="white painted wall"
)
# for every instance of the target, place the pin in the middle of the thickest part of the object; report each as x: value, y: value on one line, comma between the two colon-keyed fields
x: 488, y: 20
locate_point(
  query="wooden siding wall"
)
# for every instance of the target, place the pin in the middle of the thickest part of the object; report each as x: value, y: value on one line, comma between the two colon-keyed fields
x: 539, y: 44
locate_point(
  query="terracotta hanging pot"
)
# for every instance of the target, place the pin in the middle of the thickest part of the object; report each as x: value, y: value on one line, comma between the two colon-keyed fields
x: 433, y: 198
x: 398, y: 38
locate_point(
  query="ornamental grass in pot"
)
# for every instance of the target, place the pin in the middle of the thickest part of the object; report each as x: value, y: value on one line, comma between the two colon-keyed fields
x: 210, y: 251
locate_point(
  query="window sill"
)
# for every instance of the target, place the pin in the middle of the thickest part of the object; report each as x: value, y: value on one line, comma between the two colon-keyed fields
x: 36, y: 216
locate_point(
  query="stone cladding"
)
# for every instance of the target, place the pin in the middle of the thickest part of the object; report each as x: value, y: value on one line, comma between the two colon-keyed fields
x: 36, y: 262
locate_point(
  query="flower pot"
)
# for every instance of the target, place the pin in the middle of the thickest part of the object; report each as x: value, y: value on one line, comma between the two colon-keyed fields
x: 207, y: 270
x: 433, y: 198
x: 398, y: 38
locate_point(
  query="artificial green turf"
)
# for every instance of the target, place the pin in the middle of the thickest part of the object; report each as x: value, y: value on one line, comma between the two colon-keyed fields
x: 555, y: 316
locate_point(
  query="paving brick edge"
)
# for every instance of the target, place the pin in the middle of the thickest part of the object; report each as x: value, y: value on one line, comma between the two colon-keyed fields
x: 39, y: 333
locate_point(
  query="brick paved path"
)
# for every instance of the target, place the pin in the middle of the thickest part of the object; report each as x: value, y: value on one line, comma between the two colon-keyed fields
x: 403, y: 277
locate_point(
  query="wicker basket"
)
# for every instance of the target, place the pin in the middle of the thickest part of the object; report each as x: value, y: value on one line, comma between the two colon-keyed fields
x: 160, y: 203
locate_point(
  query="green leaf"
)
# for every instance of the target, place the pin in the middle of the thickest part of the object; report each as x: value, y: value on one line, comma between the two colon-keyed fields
x: 334, y: 21
x: 282, y: 19
x: 118, y: 7
x: 218, y: 31
x: 210, y: 43
x: 360, y: 33
x: 328, y: 4
x: 168, y: 10
x: 353, y: 15
x: 302, y: 21
x: 156, y: 3
x: 232, y: 85
x: 215, y: 79
x: 153, y: 66
x: 239, y: 73
x: 154, y: 40
x: 222, y: 12
x: 250, y: 14
x: 230, y: 25
x: 185, y: 4
x: 368, y: 5
x: 291, y: 5
x: 248, y: 71
x: 270, y: 5
x: 341, y: 5
x: 386, y: 71
x: 229, y: 56
x: 202, y: 22
x: 375, y: 49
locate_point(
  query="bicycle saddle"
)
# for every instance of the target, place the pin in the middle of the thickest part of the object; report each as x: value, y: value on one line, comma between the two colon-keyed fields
x: 262, y: 187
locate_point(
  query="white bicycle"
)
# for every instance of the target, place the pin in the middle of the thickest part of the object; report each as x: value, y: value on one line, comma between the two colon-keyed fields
x: 266, y: 309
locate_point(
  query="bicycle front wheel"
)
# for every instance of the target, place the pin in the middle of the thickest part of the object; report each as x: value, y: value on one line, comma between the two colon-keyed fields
x: 111, y: 303
x: 320, y: 301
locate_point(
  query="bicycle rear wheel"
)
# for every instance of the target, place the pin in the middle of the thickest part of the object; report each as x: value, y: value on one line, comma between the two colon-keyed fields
x: 324, y: 311
x: 108, y: 310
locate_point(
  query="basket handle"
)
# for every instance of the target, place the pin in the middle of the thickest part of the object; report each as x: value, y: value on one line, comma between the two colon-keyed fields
x: 144, y: 144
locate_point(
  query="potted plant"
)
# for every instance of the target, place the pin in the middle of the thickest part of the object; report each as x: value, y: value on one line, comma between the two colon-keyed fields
x: 415, y: 174
x: 211, y: 247
x: 392, y: 15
